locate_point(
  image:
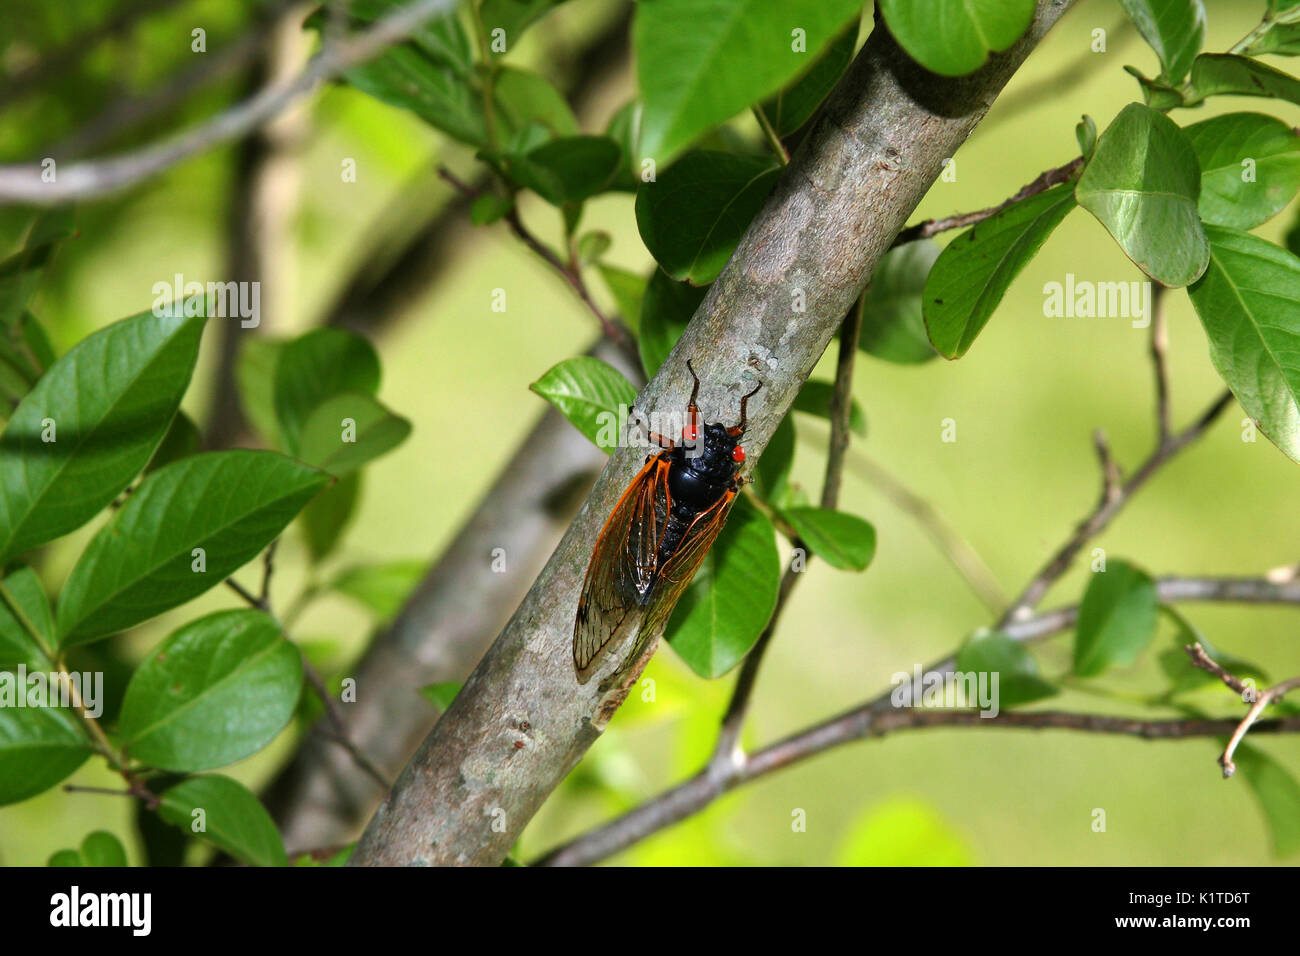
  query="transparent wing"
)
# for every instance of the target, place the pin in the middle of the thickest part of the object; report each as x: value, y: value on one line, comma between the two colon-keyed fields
x: 622, y: 571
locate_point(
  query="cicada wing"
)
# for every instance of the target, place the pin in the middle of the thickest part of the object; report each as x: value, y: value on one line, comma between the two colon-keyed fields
x: 622, y: 571
x: 676, y: 573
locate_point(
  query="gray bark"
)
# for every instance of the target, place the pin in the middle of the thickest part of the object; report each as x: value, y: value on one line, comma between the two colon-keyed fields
x: 522, y: 720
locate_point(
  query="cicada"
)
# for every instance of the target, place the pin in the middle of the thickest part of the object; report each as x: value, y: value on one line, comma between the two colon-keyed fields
x: 657, y: 535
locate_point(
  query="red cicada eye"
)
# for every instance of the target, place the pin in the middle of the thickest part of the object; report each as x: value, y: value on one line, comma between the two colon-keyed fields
x: 738, y: 453
x: 690, y: 433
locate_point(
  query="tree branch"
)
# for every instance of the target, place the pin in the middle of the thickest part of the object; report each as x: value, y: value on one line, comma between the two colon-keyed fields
x: 1043, y: 182
x: 522, y: 721
x: 83, y: 180
x: 879, y: 715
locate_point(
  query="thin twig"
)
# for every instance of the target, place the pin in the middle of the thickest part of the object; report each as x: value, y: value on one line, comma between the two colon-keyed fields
x: 1206, y: 663
x: 571, y: 274
x: 1257, y: 707
x: 25, y: 183
x: 771, y: 135
x: 1110, y: 505
x: 1043, y: 182
x: 702, y: 789
x: 339, y: 734
x: 1159, y: 362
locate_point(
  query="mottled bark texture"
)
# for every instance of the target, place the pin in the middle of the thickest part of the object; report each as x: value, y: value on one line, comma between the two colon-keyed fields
x: 522, y: 720
x: 320, y: 799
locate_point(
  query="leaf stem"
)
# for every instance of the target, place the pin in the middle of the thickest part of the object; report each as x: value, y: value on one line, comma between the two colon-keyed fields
x: 770, y: 134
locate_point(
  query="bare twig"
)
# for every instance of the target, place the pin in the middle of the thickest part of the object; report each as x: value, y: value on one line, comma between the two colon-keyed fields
x: 1159, y: 363
x: 82, y: 180
x: 340, y: 733
x: 1043, y: 182
x: 1206, y: 663
x: 863, y: 723
x: 568, y: 271
x: 1257, y: 707
x: 1112, y: 502
x: 1275, y: 692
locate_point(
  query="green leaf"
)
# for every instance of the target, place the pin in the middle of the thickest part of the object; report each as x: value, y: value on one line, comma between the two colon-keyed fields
x: 230, y: 504
x: 524, y: 98
x: 728, y: 605
x: 224, y: 813
x: 111, y: 399
x: 382, y: 588
x: 181, y: 441
x: 1086, y: 133
x: 665, y: 311
x: 441, y: 695
x: 972, y: 274
x: 1250, y: 168
x: 316, y: 366
x: 955, y: 37
x: 815, y: 399
x: 1224, y: 74
x: 592, y: 395
x: 569, y: 169
x: 20, y: 273
x: 1142, y: 184
x: 795, y: 105
x: 693, y: 216
x: 628, y: 289
x: 513, y: 16
x: 101, y: 848
x: 65, y: 858
x: 1278, y: 795
x: 893, y: 319
x: 1175, y: 29
x: 487, y: 208
x: 39, y: 746
x: 255, y: 382
x: 700, y: 63
x: 993, y: 652
x: 326, y: 517
x: 1249, y: 302
x: 1282, y: 39
x: 23, y: 605
x: 216, y: 690
x: 843, y: 540
x: 1117, y: 619
x: 625, y: 129
x: 772, y: 473
x: 592, y: 246
x: 431, y: 75
x: 25, y: 354
x: 442, y: 38
x: 349, y: 430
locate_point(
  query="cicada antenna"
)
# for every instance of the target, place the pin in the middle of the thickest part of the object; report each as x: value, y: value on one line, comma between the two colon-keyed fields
x: 745, y: 401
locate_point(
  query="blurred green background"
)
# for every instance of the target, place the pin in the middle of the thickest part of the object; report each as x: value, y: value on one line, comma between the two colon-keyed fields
x: 1021, y: 473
